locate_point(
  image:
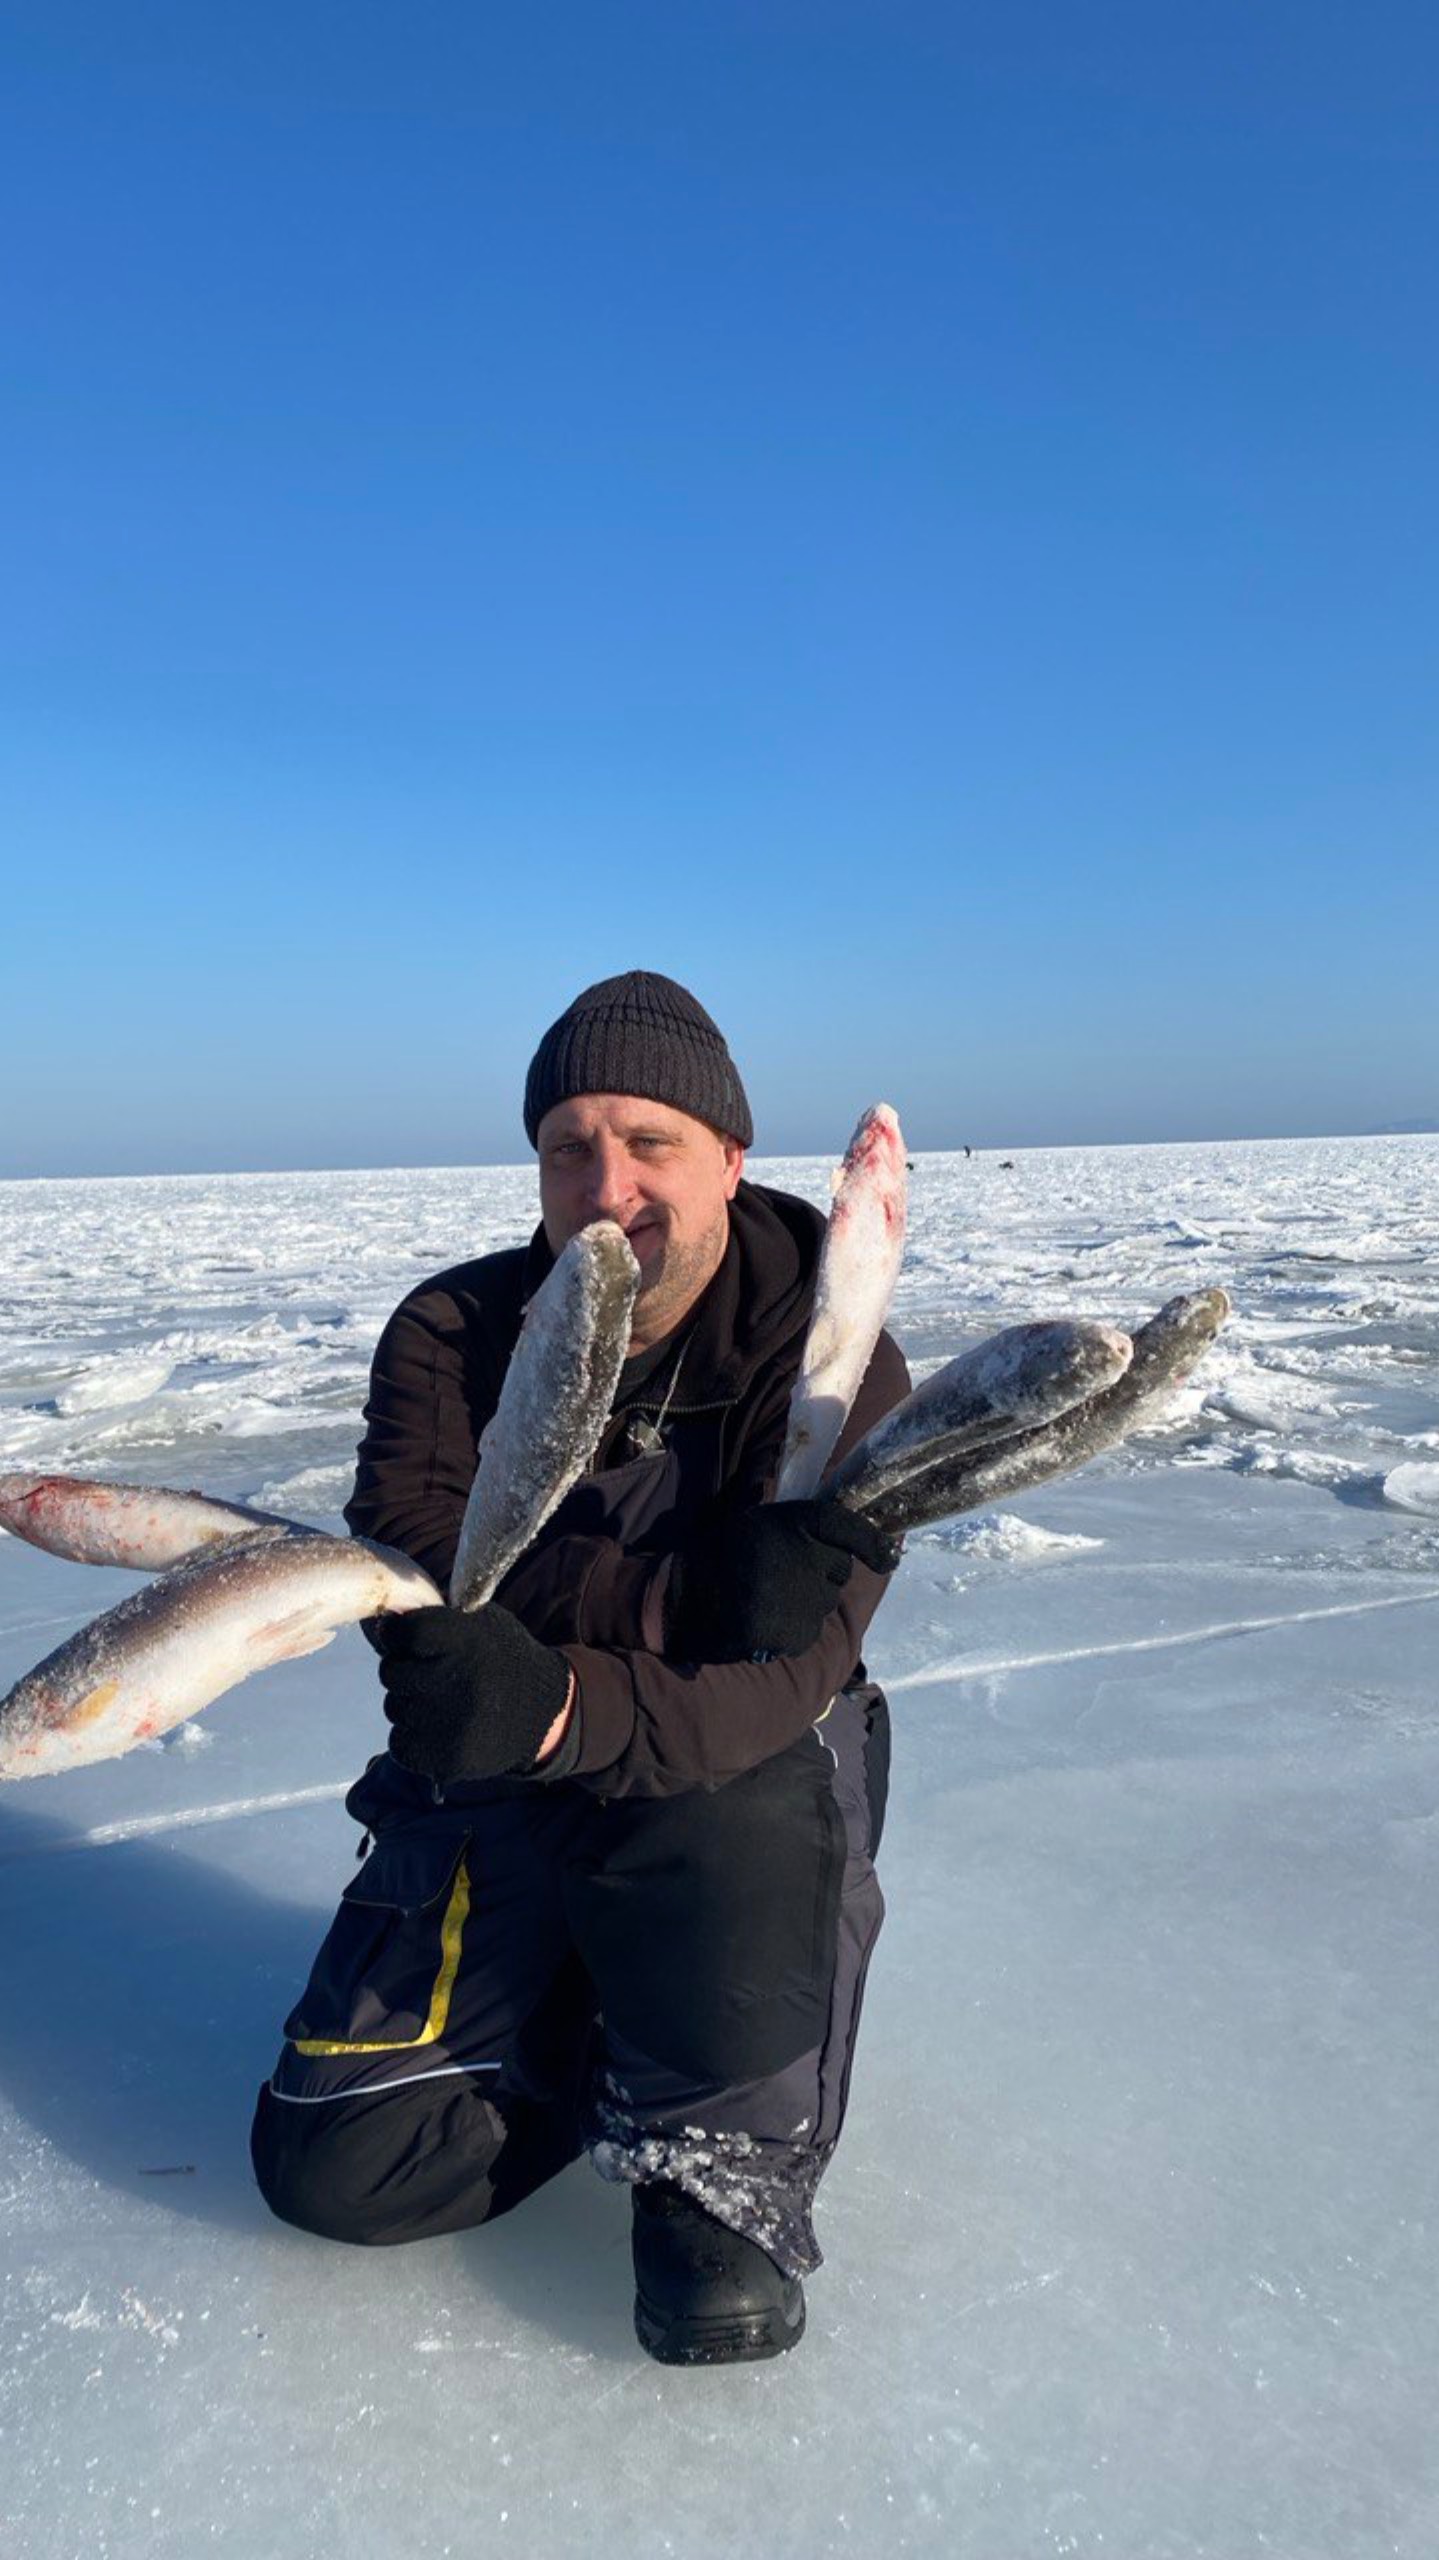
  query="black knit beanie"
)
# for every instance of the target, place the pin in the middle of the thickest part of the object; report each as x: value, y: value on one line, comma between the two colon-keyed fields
x: 644, y: 1035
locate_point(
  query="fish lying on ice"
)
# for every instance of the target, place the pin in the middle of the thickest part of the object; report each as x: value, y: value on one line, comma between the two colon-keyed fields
x: 858, y: 1266
x: 171, y: 1648
x: 1165, y: 1351
x: 1019, y: 1380
x: 145, y: 1526
x: 553, y: 1406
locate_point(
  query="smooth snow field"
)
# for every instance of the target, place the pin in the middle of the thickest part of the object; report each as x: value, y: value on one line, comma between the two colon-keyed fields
x: 1131, y: 2238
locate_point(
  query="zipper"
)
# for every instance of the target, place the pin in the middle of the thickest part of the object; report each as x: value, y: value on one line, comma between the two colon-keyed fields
x: 655, y: 1404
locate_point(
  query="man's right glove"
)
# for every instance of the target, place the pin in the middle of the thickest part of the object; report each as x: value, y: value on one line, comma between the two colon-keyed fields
x: 470, y: 1693
x: 764, y: 1581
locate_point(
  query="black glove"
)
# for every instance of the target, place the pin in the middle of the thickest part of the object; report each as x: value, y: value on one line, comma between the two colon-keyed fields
x: 470, y: 1693
x: 765, y: 1581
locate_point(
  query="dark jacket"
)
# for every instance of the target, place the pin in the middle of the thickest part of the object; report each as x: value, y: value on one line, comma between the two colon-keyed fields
x: 593, y: 1580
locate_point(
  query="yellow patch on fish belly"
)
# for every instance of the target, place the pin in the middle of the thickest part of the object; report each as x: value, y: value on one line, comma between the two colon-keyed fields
x: 93, y: 1704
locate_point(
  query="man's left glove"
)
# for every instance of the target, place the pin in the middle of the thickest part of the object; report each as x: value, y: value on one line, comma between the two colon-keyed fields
x: 470, y: 1693
x: 764, y: 1581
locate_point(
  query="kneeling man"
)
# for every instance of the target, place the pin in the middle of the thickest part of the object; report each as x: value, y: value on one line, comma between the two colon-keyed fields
x: 619, y: 1890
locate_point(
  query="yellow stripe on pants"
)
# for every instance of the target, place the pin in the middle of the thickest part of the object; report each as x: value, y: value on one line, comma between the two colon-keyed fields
x: 451, y: 1932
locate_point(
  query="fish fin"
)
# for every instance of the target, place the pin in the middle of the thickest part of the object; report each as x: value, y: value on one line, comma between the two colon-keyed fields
x: 312, y: 1644
x: 288, y: 1639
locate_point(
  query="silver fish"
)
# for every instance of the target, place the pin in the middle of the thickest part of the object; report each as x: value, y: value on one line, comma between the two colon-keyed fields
x: 1017, y: 1381
x: 148, y: 1527
x: 858, y: 1266
x: 190, y: 1635
x: 1165, y: 1350
x: 553, y: 1406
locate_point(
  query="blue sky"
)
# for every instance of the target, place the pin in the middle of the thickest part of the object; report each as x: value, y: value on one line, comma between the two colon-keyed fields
x: 917, y: 520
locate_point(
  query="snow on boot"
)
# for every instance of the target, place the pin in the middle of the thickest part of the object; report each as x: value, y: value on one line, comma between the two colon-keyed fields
x: 704, y: 2294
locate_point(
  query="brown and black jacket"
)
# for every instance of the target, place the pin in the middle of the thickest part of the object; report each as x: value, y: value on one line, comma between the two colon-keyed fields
x: 593, y: 1581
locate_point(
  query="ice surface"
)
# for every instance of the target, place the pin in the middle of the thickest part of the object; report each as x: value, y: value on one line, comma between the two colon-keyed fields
x: 1131, y: 2238
x: 1001, y: 1537
x: 1414, y: 1487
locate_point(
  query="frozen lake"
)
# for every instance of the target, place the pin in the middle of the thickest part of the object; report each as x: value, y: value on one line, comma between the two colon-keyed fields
x: 1131, y: 2240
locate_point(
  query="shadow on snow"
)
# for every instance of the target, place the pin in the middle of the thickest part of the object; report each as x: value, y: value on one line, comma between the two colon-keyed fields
x: 144, y: 1994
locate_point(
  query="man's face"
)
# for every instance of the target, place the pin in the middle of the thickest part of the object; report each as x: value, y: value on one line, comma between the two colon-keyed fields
x: 664, y: 1177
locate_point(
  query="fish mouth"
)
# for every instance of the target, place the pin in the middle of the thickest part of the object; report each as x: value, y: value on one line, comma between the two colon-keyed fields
x: 647, y: 1237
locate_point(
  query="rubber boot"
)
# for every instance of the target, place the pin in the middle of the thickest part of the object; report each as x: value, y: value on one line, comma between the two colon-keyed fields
x: 704, y: 2294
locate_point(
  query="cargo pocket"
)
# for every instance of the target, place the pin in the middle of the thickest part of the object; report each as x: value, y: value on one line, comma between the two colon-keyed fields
x: 385, y: 1974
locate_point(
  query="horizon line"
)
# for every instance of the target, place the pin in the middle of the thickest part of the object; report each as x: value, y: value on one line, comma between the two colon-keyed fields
x: 520, y: 1164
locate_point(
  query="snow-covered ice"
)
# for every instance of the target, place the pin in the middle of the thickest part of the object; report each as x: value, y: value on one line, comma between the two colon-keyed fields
x: 1131, y: 2240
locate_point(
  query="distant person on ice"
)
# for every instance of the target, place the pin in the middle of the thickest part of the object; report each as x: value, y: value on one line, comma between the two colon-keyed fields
x: 620, y: 1893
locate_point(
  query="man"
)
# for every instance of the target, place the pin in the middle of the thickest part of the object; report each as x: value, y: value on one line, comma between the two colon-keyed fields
x: 621, y: 1890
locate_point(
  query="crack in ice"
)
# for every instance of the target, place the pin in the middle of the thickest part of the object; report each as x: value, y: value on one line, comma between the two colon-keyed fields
x: 965, y: 1669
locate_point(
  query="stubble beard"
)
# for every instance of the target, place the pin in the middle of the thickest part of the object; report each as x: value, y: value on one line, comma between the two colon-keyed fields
x: 679, y: 1283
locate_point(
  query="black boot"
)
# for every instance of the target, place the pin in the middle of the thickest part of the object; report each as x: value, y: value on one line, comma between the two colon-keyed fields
x: 705, y: 2295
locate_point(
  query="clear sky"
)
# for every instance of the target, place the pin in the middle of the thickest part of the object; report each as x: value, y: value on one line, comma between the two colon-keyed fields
x: 917, y: 520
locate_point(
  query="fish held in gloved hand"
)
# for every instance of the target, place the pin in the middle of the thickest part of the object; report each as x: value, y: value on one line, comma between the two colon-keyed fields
x: 553, y: 1406
x: 1165, y: 1350
x: 187, y: 1637
x: 271, y: 1590
x: 858, y: 1266
x: 1021, y: 1378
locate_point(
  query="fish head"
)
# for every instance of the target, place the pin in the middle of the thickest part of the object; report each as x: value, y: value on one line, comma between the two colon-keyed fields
x: 872, y: 1181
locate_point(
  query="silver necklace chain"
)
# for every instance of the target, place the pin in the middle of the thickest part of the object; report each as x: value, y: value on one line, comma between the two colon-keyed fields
x: 647, y: 1437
